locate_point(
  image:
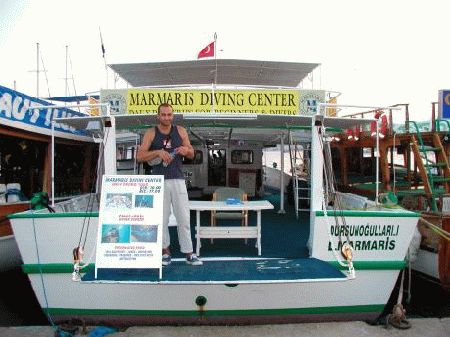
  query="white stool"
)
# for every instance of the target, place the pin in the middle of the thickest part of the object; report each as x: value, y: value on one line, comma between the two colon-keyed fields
x: 13, y: 192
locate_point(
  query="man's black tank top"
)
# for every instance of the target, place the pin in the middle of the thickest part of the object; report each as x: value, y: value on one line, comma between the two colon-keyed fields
x: 169, y: 143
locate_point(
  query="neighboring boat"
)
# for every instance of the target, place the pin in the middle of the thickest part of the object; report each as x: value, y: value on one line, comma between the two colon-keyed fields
x: 414, y: 168
x: 25, y: 161
x: 340, y: 260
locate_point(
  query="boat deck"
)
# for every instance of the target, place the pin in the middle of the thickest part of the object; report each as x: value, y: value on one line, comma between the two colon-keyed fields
x: 284, y: 255
x: 228, y: 271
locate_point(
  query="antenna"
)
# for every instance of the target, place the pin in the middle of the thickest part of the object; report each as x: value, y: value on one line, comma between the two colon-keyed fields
x: 45, y: 74
x: 73, y: 78
x: 37, y: 71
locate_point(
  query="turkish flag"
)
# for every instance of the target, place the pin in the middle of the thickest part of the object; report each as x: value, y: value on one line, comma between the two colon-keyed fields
x: 208, y: 51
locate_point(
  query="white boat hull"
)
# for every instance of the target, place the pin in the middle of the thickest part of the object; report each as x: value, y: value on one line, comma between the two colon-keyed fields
x: 177, y: 302
x: 144, y: 303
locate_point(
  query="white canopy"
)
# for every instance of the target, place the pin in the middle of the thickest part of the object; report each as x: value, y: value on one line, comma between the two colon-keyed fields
x: 203, y: 72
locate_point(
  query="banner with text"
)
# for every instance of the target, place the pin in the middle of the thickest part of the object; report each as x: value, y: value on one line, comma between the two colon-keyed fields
x: 21, y: 111
x: 257, y: 101
x: 130, y: 222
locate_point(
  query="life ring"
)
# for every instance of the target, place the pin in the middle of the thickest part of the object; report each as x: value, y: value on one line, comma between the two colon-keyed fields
x: 357, y: 132
x: 349, y: 133
x: 353, y: 134
x: 383, y: 128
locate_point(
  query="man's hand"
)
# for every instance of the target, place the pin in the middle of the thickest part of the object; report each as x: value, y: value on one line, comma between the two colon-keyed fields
x: 183, y: 151
x: 165, y: 156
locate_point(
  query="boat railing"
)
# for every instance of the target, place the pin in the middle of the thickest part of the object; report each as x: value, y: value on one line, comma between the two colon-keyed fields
x: 83, y: 203
x: 401, y: 116
x: 437, y: 124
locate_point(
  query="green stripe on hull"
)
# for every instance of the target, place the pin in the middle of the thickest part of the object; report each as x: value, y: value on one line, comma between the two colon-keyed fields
x: 30, y: 215
x: 66, y: 268
x: 370, y: 214
x: 53, y: 268
x: 372, y: 265
x: 348, y: 213
x: 212, y: 313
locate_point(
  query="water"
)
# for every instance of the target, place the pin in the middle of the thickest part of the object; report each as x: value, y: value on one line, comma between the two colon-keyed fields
x: 428, y: 300
x: 15, y: 311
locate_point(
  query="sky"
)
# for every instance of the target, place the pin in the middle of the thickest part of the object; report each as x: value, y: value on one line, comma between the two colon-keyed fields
x: 376, y: 53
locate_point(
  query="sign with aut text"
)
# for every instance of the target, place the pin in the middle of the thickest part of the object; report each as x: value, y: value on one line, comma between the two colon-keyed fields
x: 130, y: 222
x: 27, y: 113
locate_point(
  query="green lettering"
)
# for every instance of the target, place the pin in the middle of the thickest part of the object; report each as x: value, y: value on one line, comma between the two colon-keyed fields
x: 392, y: 245
x: 365, y: 245
x: 374, y: 245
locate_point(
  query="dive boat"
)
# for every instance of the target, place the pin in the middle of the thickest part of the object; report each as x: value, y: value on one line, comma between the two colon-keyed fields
x: 414, y: 172
x: 25, y: 161
x: 338, y: 259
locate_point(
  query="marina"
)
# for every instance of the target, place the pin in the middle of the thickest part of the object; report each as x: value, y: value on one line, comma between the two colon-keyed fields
x: 338, y: 258
x: 318, y: 191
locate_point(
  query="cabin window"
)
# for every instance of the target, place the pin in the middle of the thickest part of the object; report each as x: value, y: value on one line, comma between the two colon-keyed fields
x: 242, y: 157
x: 198, y: 158
x: 22, y: 161
x: 217, y: 159
x: 126, y: 152
x: 367, y: 152
x: 71, y: 169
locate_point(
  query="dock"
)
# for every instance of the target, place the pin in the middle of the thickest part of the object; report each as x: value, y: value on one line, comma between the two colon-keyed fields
x: 431, y: 327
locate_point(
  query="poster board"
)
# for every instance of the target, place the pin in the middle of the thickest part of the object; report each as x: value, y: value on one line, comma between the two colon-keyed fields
x: 130, y: 222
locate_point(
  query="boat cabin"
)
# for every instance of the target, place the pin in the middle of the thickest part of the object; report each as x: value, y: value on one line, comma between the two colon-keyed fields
x: 227, y: 154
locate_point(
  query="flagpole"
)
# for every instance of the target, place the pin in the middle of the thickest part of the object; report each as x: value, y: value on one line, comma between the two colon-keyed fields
x: 215, y: 58
x: 104, y: 57
x: 215, y: 74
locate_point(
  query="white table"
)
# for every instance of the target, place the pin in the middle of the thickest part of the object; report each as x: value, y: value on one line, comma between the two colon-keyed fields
x: 234, y: 232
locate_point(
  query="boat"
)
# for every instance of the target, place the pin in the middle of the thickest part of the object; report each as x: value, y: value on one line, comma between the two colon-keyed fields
x: 25, y: 155
x: 415, y: 173
x: 337, y: 260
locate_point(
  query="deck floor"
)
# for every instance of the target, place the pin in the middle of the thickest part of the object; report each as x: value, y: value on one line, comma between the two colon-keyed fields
x: 284, y: 255
x: 225, y: 271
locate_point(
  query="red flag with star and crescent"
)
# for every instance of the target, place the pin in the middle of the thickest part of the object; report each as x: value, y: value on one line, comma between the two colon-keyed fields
x: 208, y: 51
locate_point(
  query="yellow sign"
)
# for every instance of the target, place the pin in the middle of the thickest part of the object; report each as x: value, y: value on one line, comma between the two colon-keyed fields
x: 332, y: 112
x: 93, y: 111
x: 285, y: 102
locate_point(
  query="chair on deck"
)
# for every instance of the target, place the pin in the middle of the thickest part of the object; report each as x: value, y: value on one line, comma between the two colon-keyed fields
x: 222, y: 194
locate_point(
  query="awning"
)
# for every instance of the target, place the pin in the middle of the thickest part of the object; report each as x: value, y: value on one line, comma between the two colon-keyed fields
x: 203, y: 72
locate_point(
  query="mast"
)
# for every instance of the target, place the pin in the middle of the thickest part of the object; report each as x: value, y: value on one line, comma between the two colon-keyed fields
x: 37, y: 70
x: 66, y: 88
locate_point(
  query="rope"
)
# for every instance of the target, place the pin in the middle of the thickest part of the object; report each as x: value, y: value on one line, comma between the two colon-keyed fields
x: 330, y: 187
x: 393, y: 162
x: 90, y: 203
x: 438, y: 230
x: 398, y: 317
x: 41, y: 273
x: 78, y: 251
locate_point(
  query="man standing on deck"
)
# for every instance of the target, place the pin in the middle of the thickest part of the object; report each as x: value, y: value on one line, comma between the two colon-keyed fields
x: 165, y: 145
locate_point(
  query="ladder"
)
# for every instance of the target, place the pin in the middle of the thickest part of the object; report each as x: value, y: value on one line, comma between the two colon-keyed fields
x: 300, y: 174
x: 432, y: 162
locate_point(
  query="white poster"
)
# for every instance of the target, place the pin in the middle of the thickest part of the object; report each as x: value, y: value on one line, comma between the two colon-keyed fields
x: 130, y: 222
